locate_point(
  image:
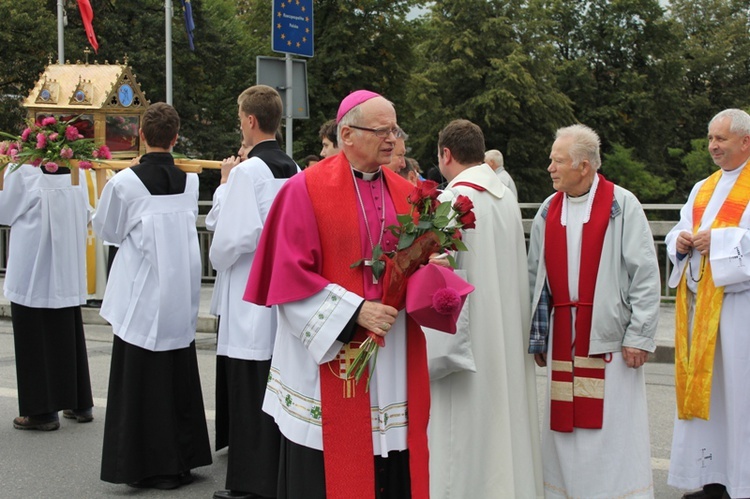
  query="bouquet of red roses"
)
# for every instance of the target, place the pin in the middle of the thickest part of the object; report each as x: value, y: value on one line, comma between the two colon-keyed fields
x: 431, y: 227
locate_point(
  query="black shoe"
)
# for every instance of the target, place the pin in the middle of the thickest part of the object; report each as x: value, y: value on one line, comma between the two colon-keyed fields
x: 185, y: 478
x: 82, y: 416
x: 161, y: 482
x: 233, y: 494
x: 44, y: 422
x: 709, y: 491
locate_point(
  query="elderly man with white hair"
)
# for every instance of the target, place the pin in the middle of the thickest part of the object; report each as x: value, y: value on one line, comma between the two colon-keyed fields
x: 708, y: 247
x: 595, y: 300
x: 494, y: 158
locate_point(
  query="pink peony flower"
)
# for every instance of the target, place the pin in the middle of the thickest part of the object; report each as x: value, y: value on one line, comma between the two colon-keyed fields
x: 104, y: 152
x: 3, y: 148
x: 36, y: 162
x: 66, y: 152
x: 25, y: 134
x: 49, y: 120
x: 13, y: 153
x: 95, y: 154
x: 51, y: 166
x: 71, y: 133
x: 41, y: 141
x: 54, y: 136
x: 86, y: 165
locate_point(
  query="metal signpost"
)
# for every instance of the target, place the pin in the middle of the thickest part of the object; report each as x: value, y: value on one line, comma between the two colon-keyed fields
x: 291, y: 33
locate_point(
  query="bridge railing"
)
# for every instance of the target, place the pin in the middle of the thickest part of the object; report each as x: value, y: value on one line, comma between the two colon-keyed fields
x: 659, y: 228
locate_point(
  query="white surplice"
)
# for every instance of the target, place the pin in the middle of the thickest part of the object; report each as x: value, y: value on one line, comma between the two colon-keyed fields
x: 48, y: 218
x: 718, y: 450
x: 246, y: 330
x: 147, y: 305
x: 484, y: 425
x: 613, y: 461
x: 306, y: 338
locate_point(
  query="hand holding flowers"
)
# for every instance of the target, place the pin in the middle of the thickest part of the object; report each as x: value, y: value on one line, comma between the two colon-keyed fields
x: 431, y: 227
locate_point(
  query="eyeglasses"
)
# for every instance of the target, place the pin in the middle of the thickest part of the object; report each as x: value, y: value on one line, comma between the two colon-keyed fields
x: 382, y: 133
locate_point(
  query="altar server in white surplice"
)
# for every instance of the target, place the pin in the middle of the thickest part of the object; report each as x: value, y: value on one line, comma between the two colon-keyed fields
x: 484, y: 425
x: 247, y: 331
x: 593, y: 267
x: 46, y: 285
x: 711, y: 441
x: 155, y: 431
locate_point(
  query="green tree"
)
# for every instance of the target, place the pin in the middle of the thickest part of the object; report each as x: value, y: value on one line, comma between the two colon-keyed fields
x: 26, y: 41
x: 714, y: 48
x: 490, y: 62
x: 620, y: 167
x: 616, y: 63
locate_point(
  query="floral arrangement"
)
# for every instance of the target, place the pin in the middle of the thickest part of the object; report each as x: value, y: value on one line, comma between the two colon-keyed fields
x: 431, y: 227
x: 52, y: 143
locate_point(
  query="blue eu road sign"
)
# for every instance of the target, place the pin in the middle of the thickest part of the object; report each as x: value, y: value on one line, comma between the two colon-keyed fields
x: 292, y: 28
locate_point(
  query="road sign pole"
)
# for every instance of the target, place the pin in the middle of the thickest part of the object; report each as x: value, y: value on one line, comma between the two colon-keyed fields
x: 289, y: 105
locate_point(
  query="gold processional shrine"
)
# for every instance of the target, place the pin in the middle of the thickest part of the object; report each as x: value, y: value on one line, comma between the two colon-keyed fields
x: 109, y: 104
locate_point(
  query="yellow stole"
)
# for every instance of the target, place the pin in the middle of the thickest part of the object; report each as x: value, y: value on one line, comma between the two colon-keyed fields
x: 694, y: 365
x: 91, y: 239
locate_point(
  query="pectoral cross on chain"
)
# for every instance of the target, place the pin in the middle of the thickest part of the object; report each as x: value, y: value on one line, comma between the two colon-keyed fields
x: 369, y: 263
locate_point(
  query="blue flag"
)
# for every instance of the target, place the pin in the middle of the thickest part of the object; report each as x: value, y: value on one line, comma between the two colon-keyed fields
x: 187, y: 9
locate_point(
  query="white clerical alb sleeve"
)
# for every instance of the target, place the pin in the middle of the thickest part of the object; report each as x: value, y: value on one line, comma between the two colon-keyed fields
x: 238, y: 233
x: 318, y: 320
x: 213, y: 216
x: 730, y: 256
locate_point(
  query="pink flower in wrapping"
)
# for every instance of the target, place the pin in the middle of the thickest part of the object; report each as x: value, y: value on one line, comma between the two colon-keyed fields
x: 86, y: 165
x: 25, y: 134
x: 51, y: 166
x: 71, y: 133
x: 104, y: 152
x: 66, y: 152
x: 41, y: 141
x: 446, y: 301
x: 36, y: 162
x: 49, y: 120
x: 54, y: 136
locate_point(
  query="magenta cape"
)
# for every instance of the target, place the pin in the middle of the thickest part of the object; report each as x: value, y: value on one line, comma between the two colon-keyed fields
x: 288, y: 262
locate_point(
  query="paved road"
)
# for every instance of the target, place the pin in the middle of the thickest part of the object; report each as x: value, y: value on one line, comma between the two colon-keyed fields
x: 65, y: 463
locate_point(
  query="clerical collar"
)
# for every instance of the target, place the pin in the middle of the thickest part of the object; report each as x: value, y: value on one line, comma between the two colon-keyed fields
x: 366, y: 176
x: 589, y: 202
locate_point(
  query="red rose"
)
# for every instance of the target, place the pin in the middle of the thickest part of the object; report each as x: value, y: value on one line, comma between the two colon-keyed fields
x: 467, y: 220
x: 430, y: 189
x: 415, y: 196
x: 462, y: 204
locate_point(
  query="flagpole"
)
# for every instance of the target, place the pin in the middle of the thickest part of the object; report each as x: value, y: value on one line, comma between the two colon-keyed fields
x: 168, y: 46
x: 60, y: 38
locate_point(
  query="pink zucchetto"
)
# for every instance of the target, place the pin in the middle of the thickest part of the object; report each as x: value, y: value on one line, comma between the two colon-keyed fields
x: 353, y: 100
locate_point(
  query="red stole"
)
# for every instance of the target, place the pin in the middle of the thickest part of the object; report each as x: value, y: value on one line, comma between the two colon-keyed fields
x: 577, y: 384
x: 346, y: 414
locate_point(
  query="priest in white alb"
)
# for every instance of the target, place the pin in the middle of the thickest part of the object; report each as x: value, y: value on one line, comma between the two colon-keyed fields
x: 712, y: 345
x: 503, y: 459
x: 595, y: 284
